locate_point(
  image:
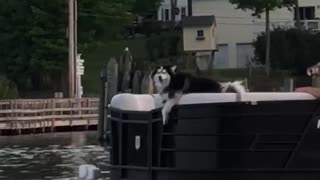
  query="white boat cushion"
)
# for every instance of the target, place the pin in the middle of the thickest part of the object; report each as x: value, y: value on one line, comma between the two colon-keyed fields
x: 276, y: 96
x: 146, y: 102
x: 133, y: 102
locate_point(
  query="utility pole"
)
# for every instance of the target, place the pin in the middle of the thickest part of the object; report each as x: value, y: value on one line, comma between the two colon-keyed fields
x: 173, y: 14
x: 72, y: 46
x: 76, y: 77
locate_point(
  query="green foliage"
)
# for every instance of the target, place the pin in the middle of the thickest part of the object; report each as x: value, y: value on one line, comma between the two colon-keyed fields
x: 8, y: 89
x: 142, y: 7
x: 33, y: 41
x: 291, y: 49
x: 163, y: 45
x: 100, y: 19
x: 33, y: 36
x: 106, y: 19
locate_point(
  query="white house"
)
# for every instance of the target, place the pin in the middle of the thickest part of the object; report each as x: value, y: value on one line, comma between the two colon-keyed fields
x: 199, y: 33
x: 199, y: 38
x: 236, y: 29
x: 164, y: 11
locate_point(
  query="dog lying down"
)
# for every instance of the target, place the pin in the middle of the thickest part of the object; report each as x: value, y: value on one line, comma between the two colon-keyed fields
x: 171, y: 85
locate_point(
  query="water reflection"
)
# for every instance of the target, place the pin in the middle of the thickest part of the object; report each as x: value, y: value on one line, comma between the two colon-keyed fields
x: 49, y: 156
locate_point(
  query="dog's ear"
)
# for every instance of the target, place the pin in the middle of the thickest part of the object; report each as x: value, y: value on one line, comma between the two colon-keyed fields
x: 173, y: 68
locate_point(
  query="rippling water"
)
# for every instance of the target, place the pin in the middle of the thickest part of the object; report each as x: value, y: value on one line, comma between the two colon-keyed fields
x: 49, y: 156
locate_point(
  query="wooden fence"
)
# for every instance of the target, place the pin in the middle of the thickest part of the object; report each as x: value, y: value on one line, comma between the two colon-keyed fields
x: 47, y: 114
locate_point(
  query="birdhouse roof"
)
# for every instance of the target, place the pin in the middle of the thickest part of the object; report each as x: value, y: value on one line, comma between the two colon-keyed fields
x: 194, y: 21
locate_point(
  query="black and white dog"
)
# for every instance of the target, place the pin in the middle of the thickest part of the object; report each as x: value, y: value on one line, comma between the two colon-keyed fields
x: 171, y: 85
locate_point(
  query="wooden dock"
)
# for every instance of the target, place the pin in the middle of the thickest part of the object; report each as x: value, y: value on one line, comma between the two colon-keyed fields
x: 23, y: 116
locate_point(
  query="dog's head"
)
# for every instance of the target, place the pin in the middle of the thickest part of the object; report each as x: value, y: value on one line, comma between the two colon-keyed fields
x: 162, y: 76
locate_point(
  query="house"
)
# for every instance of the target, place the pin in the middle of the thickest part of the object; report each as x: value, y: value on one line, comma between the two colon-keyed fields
x: 236, y: 29
x: 164, y: 11
x: 199, y: 38
x: 199, y: 33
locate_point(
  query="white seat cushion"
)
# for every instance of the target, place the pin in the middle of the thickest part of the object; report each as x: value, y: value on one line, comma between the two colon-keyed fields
x: 146, y: 102
x: 276, y: 96
x: 201, y: 98
x: 133, y: 102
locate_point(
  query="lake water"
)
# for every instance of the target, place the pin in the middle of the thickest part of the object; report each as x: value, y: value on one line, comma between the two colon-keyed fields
x: 49, y: 156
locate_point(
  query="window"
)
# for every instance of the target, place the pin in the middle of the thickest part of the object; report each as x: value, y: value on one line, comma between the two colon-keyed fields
x: 200, y: 35
x: 167, y: 14
x: 306, y: 13
x: 162, y: 14
x: 183, y: 12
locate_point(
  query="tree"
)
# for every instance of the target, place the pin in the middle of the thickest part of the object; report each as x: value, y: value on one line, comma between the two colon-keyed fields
x: 102, y: 19
x: 173, y: 13
x: 33, y: 36
x: 142, y: 7
x: 33, y: 39
x: 259, y: 7
x: 7, y: 89
x: 295, y: 5
x: 99, y: 20
x: 292, y: 50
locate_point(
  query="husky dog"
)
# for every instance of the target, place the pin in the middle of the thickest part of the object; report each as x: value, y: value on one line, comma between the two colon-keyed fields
x: 171, y: 85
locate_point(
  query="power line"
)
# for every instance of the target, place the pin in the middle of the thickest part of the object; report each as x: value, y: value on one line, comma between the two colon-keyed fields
x: 234, y: 17
x: 87, y: 12
x: 248, y: 24
x: 100, y: 16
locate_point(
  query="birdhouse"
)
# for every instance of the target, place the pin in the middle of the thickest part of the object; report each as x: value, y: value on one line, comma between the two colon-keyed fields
x: 199, y: 33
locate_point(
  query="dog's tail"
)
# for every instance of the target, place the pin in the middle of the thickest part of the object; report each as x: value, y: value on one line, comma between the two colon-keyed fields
x: 235, y: 86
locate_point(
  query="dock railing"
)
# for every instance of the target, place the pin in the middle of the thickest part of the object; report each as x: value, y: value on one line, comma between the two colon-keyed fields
x: 40, y: 114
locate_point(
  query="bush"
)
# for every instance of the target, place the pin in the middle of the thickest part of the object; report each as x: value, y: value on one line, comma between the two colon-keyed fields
x: 292, y: 49
x: 8, y: 90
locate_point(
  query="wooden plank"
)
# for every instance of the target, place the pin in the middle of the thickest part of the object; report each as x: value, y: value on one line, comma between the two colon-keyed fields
x: 48, y: 110
x: 67, y: 117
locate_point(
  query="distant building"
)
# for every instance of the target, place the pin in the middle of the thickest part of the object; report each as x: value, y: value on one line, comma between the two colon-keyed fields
x: 199, y: 38
x: 199, y: 33
x: 164, y: 12
x: 236, y: 29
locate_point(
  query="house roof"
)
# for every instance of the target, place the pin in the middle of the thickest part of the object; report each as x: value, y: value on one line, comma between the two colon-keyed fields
x: 192, y: 21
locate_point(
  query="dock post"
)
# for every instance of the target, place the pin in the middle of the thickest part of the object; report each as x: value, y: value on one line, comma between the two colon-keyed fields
x: 106, y: 127
x: 315, y: 81
x: 101, y: 106
x: 288, y: 84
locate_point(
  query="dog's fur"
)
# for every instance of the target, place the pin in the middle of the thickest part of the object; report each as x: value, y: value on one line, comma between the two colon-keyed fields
x: 171, y: 85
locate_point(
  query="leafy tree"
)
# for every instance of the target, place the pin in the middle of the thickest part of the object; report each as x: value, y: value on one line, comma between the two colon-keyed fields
x: 259, y: 7
x: 105, y: 19
x: 33, y: 36
x: 102, y: 19
x: 7, y: 89
x: 33, y: 39
x: 295, y: 5
x: 293, y: 50
x: 142, y: 7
